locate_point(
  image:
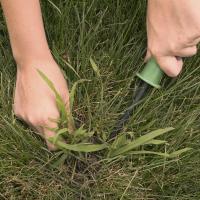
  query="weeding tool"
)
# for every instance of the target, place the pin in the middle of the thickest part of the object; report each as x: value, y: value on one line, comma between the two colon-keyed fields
x: 150, y: 77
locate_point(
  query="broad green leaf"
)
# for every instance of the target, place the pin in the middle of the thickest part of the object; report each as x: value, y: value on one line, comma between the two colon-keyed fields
x: 150, y: 152
x: 59, y: 134
x: 121, y: 140
x: 80, y: 147
x: 59, y: 101
x: 64, y: 115
x: 179, y: 152
x: 156, y: 142
x: 81, y: 132
x: 62, y: 108
x: 49, y: 83
x: 95, y: 67
x: 171, y: 155
x: 139, y: 141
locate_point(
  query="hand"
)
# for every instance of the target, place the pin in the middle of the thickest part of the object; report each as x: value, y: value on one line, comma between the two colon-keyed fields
x: 34, y: 101
x: 173, y: 30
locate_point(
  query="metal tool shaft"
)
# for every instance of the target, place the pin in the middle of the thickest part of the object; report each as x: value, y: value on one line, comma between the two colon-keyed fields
x: 137, y: 97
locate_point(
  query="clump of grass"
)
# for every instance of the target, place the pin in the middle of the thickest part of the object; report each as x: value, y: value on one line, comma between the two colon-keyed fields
x: 80, y: 139
x: 114, y: 33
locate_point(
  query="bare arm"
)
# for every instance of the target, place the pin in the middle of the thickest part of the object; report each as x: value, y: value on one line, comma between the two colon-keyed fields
x: 26, y: 30
x: 34, y: 102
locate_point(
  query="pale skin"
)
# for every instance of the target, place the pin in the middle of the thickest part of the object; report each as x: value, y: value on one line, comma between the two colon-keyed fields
x: 173, y: 30
x: 170, y: 35
x: 34, y: 102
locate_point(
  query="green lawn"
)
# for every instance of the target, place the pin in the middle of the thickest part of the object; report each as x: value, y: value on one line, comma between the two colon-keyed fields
x: 113, y: 34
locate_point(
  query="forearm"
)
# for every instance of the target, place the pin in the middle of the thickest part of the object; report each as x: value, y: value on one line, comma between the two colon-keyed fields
x: 26, y: 30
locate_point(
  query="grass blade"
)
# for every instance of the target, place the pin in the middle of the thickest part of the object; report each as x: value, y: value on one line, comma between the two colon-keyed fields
x: 150, y: 152
x: 121, y: 140
x: 81, y: 147
x: 65, y: 116
x: 73, y: 90
x: 156, y: 142
x: 56, y: 7
x: 95, y: 67
x: 59, y: 134
x: 179, y: 152
x: 139, y: 141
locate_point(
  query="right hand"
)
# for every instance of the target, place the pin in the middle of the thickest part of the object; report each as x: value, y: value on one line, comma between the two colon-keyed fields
x: 173, y: 31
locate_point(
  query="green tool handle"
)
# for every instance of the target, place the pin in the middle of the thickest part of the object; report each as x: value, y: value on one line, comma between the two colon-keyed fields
x: 151, y: 74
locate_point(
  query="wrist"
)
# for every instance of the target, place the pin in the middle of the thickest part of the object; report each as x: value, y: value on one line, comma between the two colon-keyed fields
x: 24, y: 59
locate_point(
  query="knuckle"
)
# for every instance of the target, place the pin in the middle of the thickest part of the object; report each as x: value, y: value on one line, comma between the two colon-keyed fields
x: 156, y: 52
x: 41, y: 118
x: 190, y: 38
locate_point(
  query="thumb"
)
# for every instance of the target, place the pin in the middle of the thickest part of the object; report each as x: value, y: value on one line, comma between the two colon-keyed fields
x: 171, y: 65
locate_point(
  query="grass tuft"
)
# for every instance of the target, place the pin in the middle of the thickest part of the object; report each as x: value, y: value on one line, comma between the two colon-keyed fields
x: 113, y: 34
